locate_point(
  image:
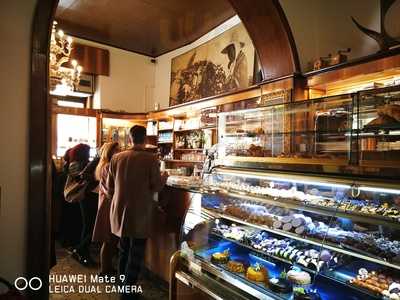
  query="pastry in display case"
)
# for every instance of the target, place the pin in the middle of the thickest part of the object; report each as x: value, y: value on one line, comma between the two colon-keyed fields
x: 306, y: 129
x: 379, y: 126
x: 280, y: 235
x: 356, y: 133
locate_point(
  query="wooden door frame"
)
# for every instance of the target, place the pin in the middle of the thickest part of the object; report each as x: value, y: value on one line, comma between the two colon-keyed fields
x: 278, y: 57
x: 39, y: 184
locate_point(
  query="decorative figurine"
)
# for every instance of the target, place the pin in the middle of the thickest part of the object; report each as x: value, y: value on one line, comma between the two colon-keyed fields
x: 330, y: 60
x: 340, y: 57
x: 322, y: 62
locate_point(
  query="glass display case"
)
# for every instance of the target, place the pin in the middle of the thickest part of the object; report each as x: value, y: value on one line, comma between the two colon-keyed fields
x: 379, y: 127
x: 276, y: 235
x: 354, y: 134
x: 314, y: 129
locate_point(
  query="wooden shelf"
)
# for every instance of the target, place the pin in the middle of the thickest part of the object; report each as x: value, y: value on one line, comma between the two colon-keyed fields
x: 289, y: 160
x: 198, y: 149
x: 197, y: 105
x: 379, y: 163
x: 186, y: 130
x: 165, y: 142
x: 340, y: 78
x: 183, y: 161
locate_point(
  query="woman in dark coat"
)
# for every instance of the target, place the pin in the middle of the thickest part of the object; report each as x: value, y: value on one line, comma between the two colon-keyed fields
x: 79, y: 165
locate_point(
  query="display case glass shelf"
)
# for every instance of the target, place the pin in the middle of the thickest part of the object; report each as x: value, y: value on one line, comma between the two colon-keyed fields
x: 311, y: 129
x: 356, y: 133
x: 286, y: 236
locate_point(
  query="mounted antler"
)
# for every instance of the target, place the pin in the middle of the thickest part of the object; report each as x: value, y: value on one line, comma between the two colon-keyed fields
x: 382, y: 38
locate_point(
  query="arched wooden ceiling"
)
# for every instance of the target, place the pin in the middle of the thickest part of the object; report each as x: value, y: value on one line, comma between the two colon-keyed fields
x: 272, y: 37
x: 150, y: 27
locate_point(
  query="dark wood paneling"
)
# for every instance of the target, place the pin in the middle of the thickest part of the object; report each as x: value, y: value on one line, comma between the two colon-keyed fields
x: 39, y: 207
x: 167, y: 227
x: 182, y: 109
x: 147, y: 27
x: 93, y: 60
x: 300, y: 90
x: 268, y: 28
x: 285, y: 83
x: 123, y: 115
x: 88, y: 112
x: 184, y: 292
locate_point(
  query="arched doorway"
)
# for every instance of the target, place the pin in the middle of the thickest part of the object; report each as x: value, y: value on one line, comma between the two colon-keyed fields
x: 272, y: 38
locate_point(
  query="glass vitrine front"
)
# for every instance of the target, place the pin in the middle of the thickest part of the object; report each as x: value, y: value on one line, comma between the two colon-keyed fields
x: 354, y: 134
x: 318, y: 129
x: 379, y: 127
x: 279, y: 235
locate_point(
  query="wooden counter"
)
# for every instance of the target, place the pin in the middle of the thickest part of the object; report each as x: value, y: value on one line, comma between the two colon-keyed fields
x: 165, y: 239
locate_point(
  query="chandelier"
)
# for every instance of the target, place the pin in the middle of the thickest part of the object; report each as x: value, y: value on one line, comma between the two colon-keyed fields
x: 62, y: 78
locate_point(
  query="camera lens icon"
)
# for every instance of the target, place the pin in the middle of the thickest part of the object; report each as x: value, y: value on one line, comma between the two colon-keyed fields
x: 21, y: 283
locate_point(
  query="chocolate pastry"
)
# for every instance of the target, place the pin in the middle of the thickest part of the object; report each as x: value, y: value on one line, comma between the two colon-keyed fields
x: 302, y: 294
x: 280, y: 285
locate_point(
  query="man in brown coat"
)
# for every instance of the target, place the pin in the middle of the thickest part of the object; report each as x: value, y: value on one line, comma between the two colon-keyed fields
x: 134, y: 177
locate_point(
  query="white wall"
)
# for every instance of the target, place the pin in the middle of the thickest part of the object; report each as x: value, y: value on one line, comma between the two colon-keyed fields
x: 130, y: 85
x: 135, y: 84
x: 15, y: 30
x: 320, y: 27
x: 163, y: 66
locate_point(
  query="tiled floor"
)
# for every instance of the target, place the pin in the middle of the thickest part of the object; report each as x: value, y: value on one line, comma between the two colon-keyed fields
x: 68, y: 266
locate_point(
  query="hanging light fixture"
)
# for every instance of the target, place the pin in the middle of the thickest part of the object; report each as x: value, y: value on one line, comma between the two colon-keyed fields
x: 62, y: 79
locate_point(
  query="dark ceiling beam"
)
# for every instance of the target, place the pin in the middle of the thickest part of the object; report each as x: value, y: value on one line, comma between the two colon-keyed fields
x: 270, y: 32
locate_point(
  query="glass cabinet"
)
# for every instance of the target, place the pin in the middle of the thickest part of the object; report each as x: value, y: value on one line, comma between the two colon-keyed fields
x: 312, y: 129
x: 275, y: 235
x: 355, y: 134
x: 379, y: 127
